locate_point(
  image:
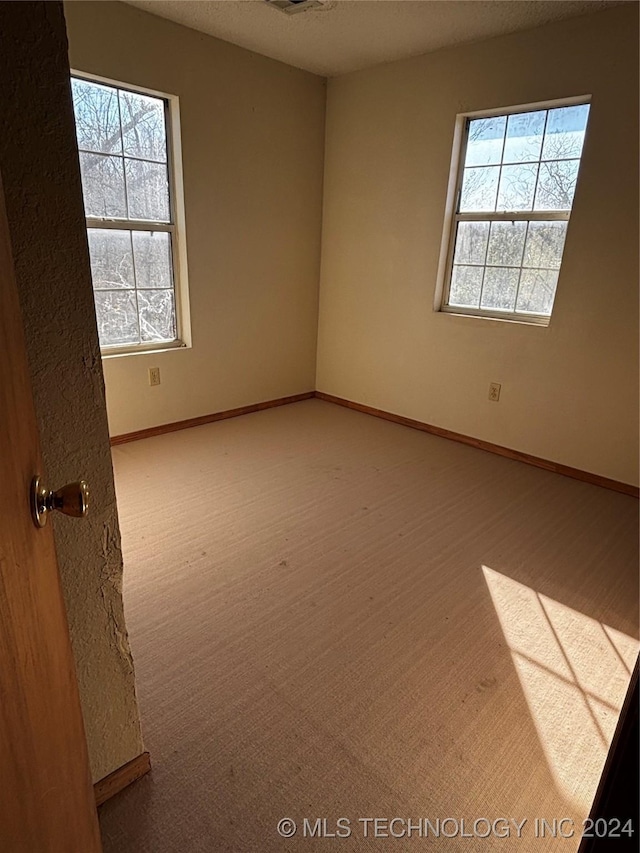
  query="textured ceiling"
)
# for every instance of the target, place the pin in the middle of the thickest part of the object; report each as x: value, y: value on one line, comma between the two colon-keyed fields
x: 346, y: 35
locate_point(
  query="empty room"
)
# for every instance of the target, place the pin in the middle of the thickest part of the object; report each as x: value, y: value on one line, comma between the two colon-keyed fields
x: 319, y: 435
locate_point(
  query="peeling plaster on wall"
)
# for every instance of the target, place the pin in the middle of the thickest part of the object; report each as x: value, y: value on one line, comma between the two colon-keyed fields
x: 39, y: 165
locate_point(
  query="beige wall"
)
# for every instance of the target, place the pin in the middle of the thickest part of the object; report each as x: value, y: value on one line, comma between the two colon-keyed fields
x: 252, y: 142
x: 41, y: 176
x: 569, y: 391
x: 252, y: 136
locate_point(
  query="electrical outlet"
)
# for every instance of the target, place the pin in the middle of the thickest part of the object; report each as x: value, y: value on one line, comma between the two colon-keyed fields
x: 494, y: 391
x: 154, y: 376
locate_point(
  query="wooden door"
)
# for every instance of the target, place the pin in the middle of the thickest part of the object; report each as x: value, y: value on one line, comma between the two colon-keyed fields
x: 46, y: 797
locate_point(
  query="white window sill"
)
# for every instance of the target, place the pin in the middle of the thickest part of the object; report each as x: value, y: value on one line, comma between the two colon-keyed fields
x: 517, y: 319
x: 152, y: 349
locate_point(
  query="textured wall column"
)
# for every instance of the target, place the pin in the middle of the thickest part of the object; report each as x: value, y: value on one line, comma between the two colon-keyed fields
x: 40, y: 171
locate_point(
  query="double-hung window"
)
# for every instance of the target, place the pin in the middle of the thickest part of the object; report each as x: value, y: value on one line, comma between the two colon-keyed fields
x: 513, y: 197
x: 128, y: 183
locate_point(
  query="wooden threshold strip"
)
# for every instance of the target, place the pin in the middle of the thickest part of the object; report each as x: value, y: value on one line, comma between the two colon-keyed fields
x: 555, y: 467
x: 207, y: 419
x: 121, y: 778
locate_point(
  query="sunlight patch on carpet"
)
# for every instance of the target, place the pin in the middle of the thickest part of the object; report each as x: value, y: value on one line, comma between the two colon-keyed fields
x: 574, y: 672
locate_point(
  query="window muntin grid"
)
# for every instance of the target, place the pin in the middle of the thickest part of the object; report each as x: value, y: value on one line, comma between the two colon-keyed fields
x: 125, y: 165
x: 514, y: 196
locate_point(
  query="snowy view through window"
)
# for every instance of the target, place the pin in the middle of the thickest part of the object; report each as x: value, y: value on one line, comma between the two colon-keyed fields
x: 122, y: 139
x: 515, y: 196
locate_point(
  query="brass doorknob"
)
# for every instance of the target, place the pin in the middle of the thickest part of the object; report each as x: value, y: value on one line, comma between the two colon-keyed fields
x: 72, y: 499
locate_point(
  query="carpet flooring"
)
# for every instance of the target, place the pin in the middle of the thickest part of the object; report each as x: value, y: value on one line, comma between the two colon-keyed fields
x: 335, y: 617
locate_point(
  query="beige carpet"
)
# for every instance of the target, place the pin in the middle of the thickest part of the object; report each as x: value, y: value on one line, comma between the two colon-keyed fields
x: 333, y: 616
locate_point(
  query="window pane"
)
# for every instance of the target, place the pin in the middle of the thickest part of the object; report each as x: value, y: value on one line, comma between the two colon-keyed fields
x: 103, y: 186
x: 143, y: 130
x: 479, y: 189
x: 545, y: 243
x: 147, y: 190
x: 564, y: 136
x: 517, y: 186
x: 537, y: 290
x: 111, y: 259
x: 499, y: 289
x: 157, y: 315
x: 97, y: 119
x: 484, y: 141
x: 466, y: 283
x: 524, y: 137
x: 117, y: 317
x: 471, y: 243
x: 152, y: 250
x: 506, y: 243
x: 122, y: 137
x: 515, y: 166
x: 556, y: 185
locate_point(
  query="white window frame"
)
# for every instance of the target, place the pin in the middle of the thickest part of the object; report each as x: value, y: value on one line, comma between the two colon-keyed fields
x: 176, y: 226
x: 453, y: 216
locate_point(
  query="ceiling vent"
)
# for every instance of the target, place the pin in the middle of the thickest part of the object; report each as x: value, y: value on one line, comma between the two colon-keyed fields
x: 291, y: 7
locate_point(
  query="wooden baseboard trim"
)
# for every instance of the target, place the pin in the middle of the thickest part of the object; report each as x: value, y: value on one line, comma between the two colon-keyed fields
x: 555, y: 467
x: 121, y: 778
x: 207, y: 419
x: 509, y: 453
